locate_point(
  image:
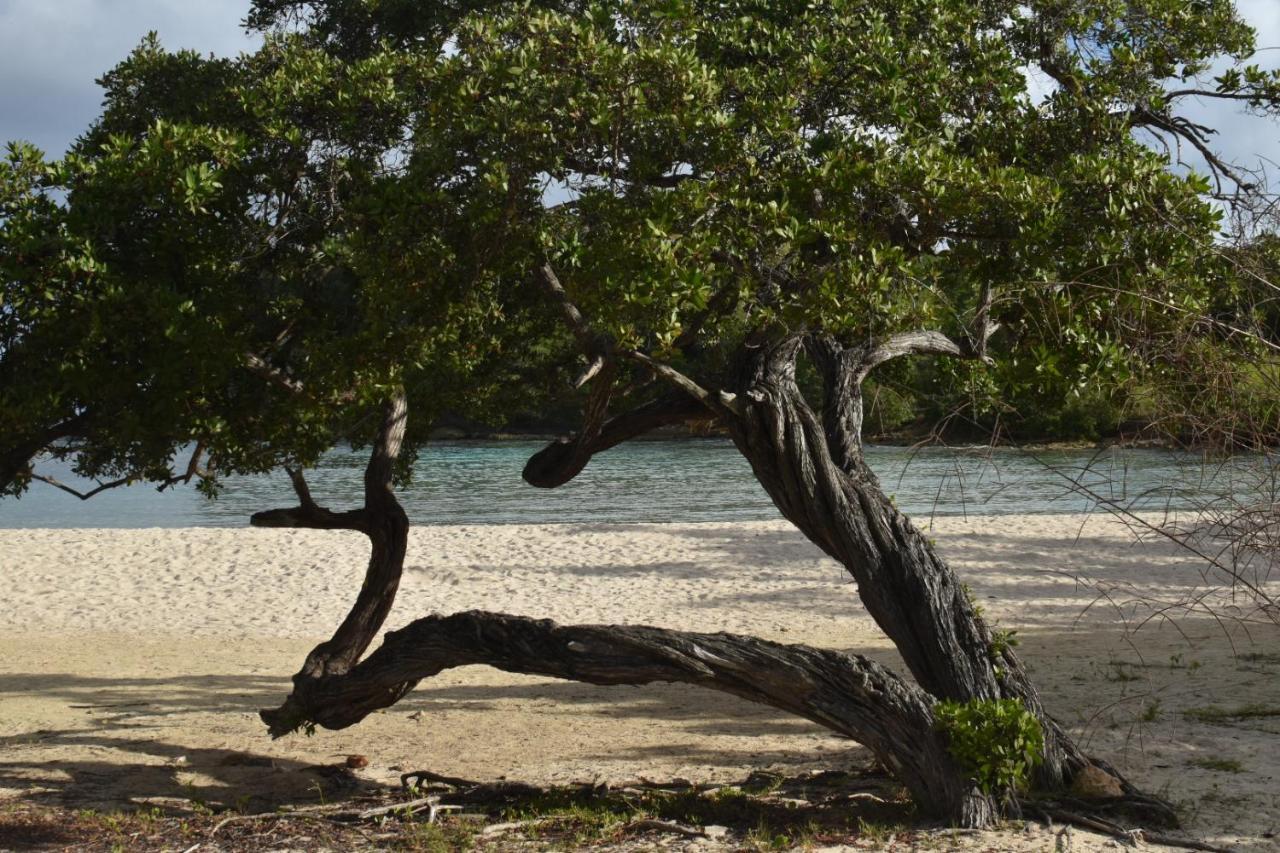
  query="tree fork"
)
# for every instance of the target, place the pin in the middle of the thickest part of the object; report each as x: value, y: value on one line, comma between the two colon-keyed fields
x: 846, y: 693
x: 384, y: 521
x: 815, y: 474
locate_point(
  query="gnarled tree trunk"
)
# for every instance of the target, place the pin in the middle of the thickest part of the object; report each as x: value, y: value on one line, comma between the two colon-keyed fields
x: 814, y: 470
x: 815, y: 473
x: 384, y: 521
x: 846, y: 693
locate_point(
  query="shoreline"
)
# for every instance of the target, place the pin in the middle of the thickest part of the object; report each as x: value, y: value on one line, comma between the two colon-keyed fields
x: 924, y: 440
x: 920, y: 519
x: 921, y: 437
x: 658, y: 482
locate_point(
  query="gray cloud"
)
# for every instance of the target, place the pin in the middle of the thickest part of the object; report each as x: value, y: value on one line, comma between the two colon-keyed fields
x: 51, y: 51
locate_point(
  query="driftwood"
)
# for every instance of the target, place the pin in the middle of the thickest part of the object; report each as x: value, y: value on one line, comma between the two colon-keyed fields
x: 1131, y: 837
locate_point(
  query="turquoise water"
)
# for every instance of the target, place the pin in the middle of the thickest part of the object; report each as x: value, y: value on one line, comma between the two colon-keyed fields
x: 653, y: 481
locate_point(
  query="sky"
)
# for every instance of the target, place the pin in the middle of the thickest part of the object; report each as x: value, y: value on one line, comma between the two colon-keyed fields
x: 51, y: 51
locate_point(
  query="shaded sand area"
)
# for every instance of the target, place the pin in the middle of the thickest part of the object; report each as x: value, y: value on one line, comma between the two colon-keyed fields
x: 132, y: 662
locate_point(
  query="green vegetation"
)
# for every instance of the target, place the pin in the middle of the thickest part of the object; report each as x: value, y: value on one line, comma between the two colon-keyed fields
x: 1002, y: 640
x: 1222, y: 765
x: 1266, y: 658
x: 767, y: 812
x: 997, y: 741
x: 1119, y: 671
x: 1220, y: 716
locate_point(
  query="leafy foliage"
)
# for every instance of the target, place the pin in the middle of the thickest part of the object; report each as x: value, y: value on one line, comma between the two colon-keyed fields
x: 226, y: 259
x: 997, y: 741
x: 363, y: 203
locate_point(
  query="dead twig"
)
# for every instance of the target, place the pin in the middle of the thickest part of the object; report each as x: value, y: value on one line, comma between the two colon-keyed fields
x: 666, y: 826
x: 1130, y: 837
x: 426, y: 775
x: 513, y: 826
x: 406, y: 808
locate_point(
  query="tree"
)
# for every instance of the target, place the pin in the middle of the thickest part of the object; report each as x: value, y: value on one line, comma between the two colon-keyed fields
x: 743, y: 185
x: 709, y: 195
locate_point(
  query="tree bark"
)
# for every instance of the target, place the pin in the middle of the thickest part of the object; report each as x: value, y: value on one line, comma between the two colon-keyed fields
x: 815, y: 473
x: 846, y: 693
x: 384, y: 521
x: 562, y: 460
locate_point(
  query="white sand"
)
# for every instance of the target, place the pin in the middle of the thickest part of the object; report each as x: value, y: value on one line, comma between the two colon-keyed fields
x: 132, y: 662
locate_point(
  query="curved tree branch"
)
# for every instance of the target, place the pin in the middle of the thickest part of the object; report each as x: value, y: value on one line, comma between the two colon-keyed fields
x: 17, y: 457
x: 192, y: 471
x: 258, y: 366
x: 923, y: 342
x: 384, y: 521
x: 563, y: 459
x: 917, y: 342
x: 846, y: 693
x: 614, y: 172
x: 720, y: 402
x: 308, y: 514
x: 1251, y: 97
x: 84, y: 496
x: 1195, y: 135
x: 595, y: 346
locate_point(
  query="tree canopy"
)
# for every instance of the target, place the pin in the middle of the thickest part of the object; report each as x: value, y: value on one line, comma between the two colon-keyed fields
x: 382, y: 180
x: 226, y: 259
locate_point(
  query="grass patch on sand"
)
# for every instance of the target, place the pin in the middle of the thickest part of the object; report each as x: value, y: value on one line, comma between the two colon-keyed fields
x: 767, y: 812
x: 1214, y: 715
x: 1259, y: 657
x: 1221, y: 765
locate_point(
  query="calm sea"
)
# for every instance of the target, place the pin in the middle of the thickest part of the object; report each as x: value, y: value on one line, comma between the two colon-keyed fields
x: 653, y: 481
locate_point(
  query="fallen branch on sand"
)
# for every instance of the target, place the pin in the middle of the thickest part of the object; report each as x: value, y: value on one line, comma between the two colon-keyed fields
x: 1129, y: 837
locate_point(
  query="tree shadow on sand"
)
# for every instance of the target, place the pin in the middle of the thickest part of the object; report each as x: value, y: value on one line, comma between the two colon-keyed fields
x: 128, y: 749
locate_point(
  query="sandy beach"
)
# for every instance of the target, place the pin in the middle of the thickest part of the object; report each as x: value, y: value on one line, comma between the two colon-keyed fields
x: 132, y: 662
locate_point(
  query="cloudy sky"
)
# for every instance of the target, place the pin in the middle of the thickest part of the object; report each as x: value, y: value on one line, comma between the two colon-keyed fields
x: 51, y: 51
